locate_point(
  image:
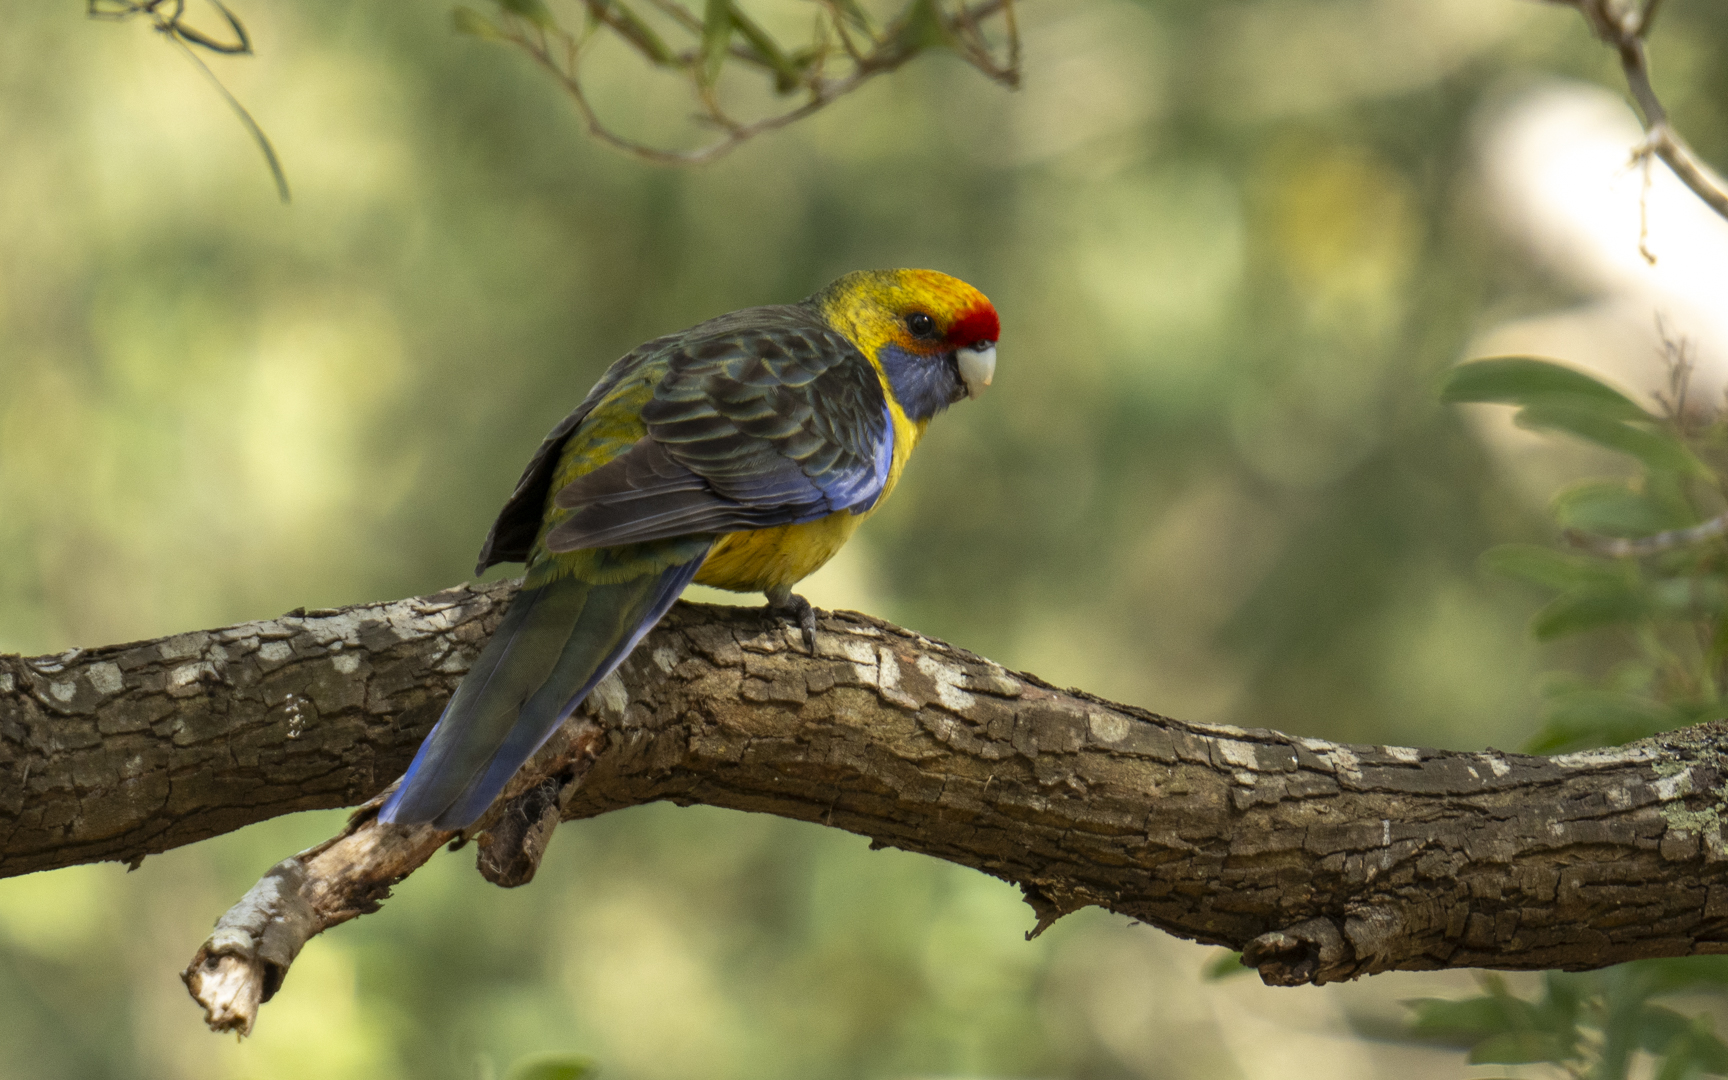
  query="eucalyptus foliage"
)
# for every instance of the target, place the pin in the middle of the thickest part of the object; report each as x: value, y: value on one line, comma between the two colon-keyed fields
x: 1641, y: 557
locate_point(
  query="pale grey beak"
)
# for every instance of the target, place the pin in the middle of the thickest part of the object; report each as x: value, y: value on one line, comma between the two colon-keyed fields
x: 977, y: 366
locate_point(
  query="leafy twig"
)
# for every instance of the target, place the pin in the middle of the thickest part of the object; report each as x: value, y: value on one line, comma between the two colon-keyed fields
x: 168, y: 17
x: 1624, y: 29
x: 1617, y: 547
x: 1677, y: 359
x: 531, y: 27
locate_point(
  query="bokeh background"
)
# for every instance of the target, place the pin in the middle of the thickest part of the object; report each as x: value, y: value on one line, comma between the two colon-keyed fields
x: 1234, y: 244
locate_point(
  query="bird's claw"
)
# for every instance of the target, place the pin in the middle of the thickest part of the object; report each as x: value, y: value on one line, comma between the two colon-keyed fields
x: 798, y: 610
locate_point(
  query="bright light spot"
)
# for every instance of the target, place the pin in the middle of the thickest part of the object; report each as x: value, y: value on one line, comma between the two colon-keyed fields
x: 1558, y: 167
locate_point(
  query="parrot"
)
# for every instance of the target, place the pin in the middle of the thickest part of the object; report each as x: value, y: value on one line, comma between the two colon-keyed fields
x: 741, y: 453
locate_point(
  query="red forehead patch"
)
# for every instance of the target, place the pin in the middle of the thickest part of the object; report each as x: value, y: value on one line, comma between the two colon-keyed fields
x: 977, y: 324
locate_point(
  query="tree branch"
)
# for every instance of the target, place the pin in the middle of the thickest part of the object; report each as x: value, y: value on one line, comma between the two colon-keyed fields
x: 560, y: 53
x: 125, y: 751
x: 1623, y: 27
x: 1320, y: 861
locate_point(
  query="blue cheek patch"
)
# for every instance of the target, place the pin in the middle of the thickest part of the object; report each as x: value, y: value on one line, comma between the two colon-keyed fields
x: 923, y: 385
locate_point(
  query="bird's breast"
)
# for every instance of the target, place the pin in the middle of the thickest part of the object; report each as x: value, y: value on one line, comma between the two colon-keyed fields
x: 762, y: 559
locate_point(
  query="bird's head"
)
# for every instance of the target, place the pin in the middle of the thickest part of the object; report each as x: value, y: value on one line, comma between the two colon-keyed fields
x: 933, y: 336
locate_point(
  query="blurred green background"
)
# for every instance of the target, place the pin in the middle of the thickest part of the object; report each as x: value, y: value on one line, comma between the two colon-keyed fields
x: 1233, y: 245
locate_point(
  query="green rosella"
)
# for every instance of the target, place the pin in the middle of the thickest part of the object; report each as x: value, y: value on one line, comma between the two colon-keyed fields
x: 741, y: 453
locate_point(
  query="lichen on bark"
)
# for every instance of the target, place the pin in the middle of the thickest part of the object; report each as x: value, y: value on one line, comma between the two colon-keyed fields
x: 1322, y: 861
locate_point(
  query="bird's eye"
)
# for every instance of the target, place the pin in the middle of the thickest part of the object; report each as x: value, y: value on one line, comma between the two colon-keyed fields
x: 921, y: 325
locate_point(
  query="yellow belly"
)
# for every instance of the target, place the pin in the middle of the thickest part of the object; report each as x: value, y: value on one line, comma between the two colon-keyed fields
x: 779, y: 557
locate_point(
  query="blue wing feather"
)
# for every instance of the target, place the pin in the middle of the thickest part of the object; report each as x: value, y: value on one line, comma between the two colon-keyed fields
x: 557, y: 641
x: 575, y: 677
x: 762, y: 418
x: 750, y: 431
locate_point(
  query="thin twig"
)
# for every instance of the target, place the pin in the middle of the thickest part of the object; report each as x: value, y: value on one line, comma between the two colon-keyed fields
x: 1644, y: 209
x: 977, y: 50
x: 251, y: 125
x: 1677, y: 359
x: 838, y: 18
x: 1665, y: 144
x: 1625, y: 32
x: 734, y: 136
x: 558, y: 52
x: 690, y: 20
x: 167, y: 17
x: 1617, y: 547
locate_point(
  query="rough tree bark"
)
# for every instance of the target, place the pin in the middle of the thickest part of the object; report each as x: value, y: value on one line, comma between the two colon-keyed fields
x: 1320, y: 861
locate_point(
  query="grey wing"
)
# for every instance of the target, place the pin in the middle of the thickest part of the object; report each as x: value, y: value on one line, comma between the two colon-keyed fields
x: 775, y: 422
x: 518, y: 523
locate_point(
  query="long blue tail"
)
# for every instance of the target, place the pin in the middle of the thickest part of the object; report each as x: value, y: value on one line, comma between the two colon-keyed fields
x: 556, y: 642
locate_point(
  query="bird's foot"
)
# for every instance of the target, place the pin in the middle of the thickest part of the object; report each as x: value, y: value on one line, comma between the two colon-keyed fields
x: 788, y: 604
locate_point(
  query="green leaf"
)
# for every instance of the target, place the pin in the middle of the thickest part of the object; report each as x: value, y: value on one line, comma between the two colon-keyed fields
x: 1707, y: 1050
x: 1225, y: 965
x: 1610, y: 508
x: 921, y: 27
x: 716, y: 38
x: 641, y: 34
x: 1523, y: 380
x: 1585, y: 418
x: 1675, y: 974
x: 786, y: 73
x: 466, y: 20
x: 1519, y: 1047
x: 1691, y: 1048
x: 1704, y: 596
x: 535, y: 11
x: 1602, y: 717
x: 551, y: 1067
x: 1475, y: 1017
x: 1441, y: 1017
x: 1552, y: 569
x: 1588, y: 609
x: 855, y: 15
x: 1659, y: 1027
x: 1667, y: 493
x: 1679, y: 1066
x: 1563, y: 998
x: 1563, y: 398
